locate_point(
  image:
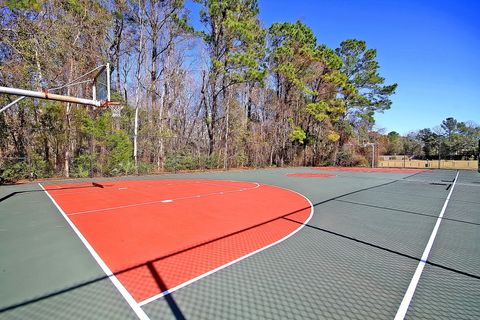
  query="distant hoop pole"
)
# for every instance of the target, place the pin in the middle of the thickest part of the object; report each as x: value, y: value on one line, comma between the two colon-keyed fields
x: 373, y: 151
x: 108, y: 81
x: 49, y: 96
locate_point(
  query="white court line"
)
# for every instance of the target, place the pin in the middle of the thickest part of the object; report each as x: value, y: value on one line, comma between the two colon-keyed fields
x: 162, y: 201
x: 148, y: 192
x: 166, y: 292
x: 402, y: 310
x: 138, y: 189
x: 99, y: 190
x: 123, y: 291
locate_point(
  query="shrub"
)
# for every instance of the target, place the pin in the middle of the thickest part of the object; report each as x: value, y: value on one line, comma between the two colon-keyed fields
x: 182, y: 161
x: 145, y: 167
x: 349, y: 159
x: 120, y: 156
x: 81, y: 166
x: 39, y: 166
x: 212, y: 162
x: 360, y: 161
x: 345, y: 158
x: 11, y: 172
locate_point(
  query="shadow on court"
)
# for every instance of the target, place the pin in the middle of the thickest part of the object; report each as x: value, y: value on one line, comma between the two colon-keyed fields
x: 407, y: 211
x: 169, y: 299
x: 12, y: 194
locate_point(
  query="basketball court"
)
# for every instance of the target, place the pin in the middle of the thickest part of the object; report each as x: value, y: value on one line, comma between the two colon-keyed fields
x: 304, y: 243
x: 292, y: 243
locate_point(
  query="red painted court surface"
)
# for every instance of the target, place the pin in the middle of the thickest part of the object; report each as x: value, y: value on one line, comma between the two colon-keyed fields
x: 159, y: 235
x: 311, y: 175
x: 372, y: 169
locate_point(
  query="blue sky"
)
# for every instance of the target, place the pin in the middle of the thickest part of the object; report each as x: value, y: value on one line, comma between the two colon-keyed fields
x: 430, y: 48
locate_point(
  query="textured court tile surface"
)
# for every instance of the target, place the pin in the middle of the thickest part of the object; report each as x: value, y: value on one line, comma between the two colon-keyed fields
x: 458, y: 242
x: 45, y: 271
x: 450, y: 289
x: 445, y: 294
x: 390, y: 229
x: 335, y: 274
x: 354, y: 260
x: 457, y: 246
x: 462, y: 212
x: 317, y: 275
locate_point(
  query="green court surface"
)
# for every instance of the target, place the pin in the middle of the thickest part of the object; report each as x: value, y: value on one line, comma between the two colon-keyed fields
x: 354, y: 259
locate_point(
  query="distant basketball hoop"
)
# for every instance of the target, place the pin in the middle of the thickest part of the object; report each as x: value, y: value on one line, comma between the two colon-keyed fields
x: 115, y: 108
x: 116, y: 111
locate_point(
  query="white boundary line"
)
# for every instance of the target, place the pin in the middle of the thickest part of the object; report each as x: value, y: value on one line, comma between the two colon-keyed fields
x: 402, y: 310
x: 126, y: 295
x: 166, y: 292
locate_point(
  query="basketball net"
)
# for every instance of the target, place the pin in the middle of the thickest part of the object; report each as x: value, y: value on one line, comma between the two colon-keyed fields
x: 115, y: 108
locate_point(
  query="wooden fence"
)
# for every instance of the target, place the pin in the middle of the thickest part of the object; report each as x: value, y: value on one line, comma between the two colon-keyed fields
x: 431, y: 164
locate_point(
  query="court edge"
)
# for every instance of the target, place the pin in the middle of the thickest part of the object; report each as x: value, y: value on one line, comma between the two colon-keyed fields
x: 123, y: 291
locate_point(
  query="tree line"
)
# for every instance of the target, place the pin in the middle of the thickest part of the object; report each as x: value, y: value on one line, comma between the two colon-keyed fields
x: 219, y: 90
x: 451, y: 140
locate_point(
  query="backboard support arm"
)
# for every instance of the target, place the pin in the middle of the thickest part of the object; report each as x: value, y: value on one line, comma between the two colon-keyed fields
x: 47, y: 96
x: 12, y: 103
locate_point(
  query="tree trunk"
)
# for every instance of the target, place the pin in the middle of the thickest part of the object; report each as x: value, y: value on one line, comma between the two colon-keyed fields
x: 211, y: 118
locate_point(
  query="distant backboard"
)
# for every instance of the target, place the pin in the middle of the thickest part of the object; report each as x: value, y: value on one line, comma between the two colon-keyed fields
x: 101, y: 84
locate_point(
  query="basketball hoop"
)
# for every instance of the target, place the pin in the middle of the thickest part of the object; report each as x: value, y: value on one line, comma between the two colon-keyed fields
x: 115, y: 108
x: 116, y: 111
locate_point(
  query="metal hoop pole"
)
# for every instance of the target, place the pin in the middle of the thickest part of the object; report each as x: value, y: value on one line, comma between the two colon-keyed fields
x: 49, y: 96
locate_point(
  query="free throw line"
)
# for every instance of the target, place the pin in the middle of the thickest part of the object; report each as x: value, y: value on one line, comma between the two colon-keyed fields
x: 123, y: 291
x: 163, y: 200
x: 402, y: 310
